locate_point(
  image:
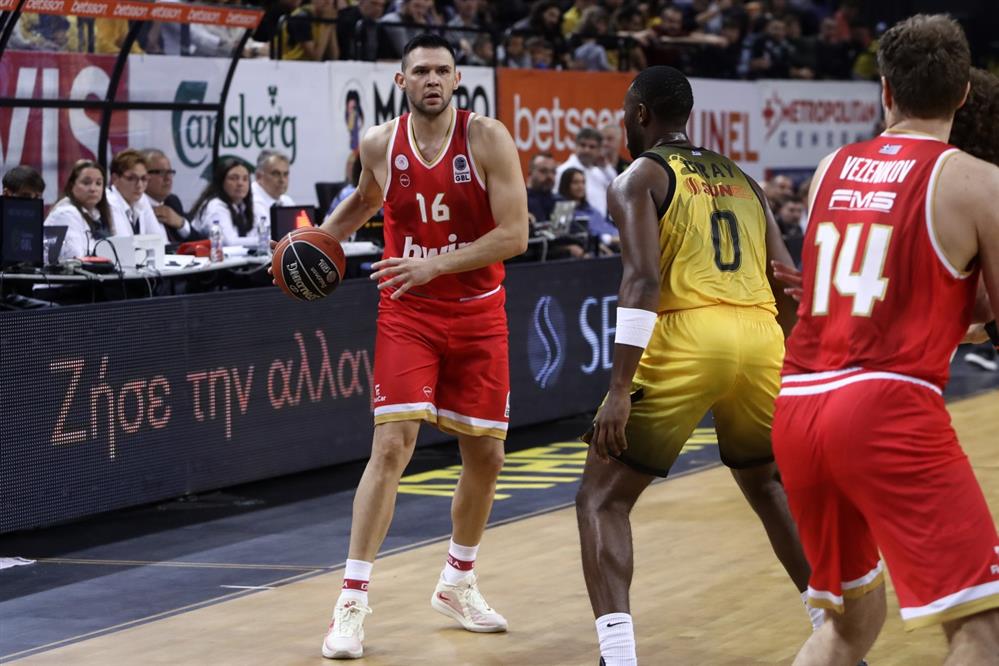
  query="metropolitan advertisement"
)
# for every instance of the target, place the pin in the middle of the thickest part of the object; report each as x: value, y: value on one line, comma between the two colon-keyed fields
x: 762, y: 125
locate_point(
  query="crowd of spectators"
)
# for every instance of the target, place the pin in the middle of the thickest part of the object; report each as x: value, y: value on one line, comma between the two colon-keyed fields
x: 804, y: 39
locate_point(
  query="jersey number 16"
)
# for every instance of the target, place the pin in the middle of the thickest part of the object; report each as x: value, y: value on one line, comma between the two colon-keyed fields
x: 439, y: 212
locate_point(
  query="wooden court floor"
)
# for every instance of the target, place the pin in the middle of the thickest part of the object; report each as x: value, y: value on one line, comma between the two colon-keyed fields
x: 707, y: 591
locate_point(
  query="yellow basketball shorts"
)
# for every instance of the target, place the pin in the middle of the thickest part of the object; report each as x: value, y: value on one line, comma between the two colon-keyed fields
x: 723, y: 358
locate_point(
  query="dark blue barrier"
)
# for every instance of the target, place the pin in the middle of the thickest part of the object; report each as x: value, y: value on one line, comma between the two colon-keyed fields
x: 117, y: 404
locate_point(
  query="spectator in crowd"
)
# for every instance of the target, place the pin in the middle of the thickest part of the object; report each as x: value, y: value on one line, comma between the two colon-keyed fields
x: 789, y: 217
x: 483, y: 53
x: 270, y: 184
x: 863, y: 49
x: 166, y: 206
x: 24, y: 182
x: 573, y: 17
x: 273, y: 11
x: 541, y: 53
x: 625, y: 22
x: 771, y: 53
x: 416, y: 16
x: 777, y: 189
x: 468, y: 16
x: 589, y: 159
x: 610, y: 147
x: 572, y: 186
x: 42, y: 32
x: 350, y: 187
x: 591, y: 55
x: 513, y: 51
x: 541, y: 187
x: 305, y: 39
x: 544, y: 22
x: 131, y: 213
x: 802, y: 49
x: 227, y: 200
x: 109, y: 36
x: 832, y: 58
x: 358, y: 31
x: 83, y: 210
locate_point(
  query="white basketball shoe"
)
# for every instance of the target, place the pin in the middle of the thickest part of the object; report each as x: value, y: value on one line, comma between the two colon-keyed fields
x: 345, y: 637
x: 464, y: 603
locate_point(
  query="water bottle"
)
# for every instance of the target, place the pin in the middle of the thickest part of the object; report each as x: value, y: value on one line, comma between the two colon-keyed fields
x: 215, y: 255
x: 263, y: 236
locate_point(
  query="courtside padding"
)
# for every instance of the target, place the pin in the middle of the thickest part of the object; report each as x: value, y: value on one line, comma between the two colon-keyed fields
x: 117, y: 404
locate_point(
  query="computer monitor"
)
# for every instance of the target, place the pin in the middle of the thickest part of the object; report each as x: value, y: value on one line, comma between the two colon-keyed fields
x: 285, y: 219
x: 21, y: 236
x: 55, y: 236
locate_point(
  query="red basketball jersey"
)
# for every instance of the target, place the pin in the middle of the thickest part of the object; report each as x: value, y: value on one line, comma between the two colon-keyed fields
x: 437, y: 207
x: 878, y: 292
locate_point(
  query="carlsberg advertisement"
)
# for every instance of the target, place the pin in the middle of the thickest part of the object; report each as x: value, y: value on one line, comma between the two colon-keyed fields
x: 315, y: 113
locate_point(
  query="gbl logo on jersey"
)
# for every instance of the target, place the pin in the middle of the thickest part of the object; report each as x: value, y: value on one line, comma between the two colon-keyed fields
x: 462, y: 171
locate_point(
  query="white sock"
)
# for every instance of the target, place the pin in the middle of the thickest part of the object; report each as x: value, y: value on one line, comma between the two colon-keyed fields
x: 356, y: 576
x: 460, y: 560
x: 815, y: 615
x: 616, y: 634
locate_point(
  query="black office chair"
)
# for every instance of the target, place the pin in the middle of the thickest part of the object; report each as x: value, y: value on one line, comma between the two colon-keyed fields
x: 326, y: 192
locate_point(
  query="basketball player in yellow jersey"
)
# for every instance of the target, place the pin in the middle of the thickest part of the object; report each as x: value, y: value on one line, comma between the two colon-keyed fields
x: 696, y: 330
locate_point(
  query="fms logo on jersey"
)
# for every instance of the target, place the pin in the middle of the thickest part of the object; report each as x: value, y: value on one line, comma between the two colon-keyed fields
x: 546, y: 343
x: 462, y: 172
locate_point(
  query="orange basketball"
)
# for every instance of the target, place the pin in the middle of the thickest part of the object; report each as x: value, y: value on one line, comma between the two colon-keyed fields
x: 308, y: 264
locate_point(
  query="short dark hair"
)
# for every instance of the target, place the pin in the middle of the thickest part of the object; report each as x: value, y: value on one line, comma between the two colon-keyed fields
x: 589, y: 133
x: 537, y: 156
x: 975, y: 130
x: 926, y: 61
x: 24, y: 178
x: 426, y: 40
x: 666, y: 92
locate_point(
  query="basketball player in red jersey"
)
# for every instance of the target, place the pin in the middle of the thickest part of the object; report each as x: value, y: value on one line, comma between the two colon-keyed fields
x: 899, y: 230
x: 455, y: 208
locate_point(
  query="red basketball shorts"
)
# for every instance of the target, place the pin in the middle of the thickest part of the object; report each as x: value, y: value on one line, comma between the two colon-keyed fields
x: 870, y: 461
x: 445, y: 362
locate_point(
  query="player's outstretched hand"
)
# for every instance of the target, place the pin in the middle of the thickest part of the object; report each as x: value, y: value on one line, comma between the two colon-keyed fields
x: 403, y: 274
x: 608, y: 427
x: 790, y: 276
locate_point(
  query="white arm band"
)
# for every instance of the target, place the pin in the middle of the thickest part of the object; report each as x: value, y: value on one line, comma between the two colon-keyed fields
x: 634, y: 327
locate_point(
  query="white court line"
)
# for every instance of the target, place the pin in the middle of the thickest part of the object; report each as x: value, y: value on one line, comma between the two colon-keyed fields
x: 247, y: 587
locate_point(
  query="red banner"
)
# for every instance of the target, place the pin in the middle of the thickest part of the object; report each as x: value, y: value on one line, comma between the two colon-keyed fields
x: 545, y: 109
x: 52, y: 140
x: 172, y: 12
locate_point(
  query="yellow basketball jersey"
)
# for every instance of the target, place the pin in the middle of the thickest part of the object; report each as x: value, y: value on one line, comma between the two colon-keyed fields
x: 712, y: 235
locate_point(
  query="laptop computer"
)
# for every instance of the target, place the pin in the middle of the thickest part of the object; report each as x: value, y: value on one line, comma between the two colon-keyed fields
x: 54, y: 239
x: 21, y: 233
x: 562, y: 216
x: 285, y: 219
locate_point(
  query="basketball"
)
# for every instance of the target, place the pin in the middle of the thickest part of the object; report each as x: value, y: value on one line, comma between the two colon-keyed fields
x: 308, y: 264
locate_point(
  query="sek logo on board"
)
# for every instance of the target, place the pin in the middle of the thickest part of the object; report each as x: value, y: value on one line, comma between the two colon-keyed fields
x: 548, y: 338
x: 546, y: 344
x: 247, y: 131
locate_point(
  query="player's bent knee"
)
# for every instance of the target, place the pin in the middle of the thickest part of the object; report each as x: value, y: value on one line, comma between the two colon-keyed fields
x: 392, y: 450
x: 981, y: 627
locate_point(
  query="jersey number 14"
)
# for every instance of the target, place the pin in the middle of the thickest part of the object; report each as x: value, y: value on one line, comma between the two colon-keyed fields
x: 834, y: 267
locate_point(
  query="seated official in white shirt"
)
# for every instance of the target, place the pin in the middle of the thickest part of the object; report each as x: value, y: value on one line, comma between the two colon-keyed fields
x: 131, y: 212
x: 160, y: 197
x: 83, y: 210
x: 227, y: 201
x: 270, y: 185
